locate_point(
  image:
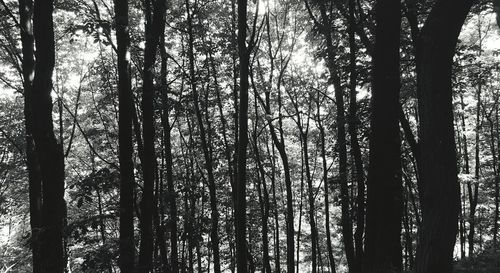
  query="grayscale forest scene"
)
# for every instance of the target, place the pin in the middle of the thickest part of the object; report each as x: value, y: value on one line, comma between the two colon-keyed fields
x: 236, y: 136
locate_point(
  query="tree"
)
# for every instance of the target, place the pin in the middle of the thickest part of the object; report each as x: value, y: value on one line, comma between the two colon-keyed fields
x: 127, y: 179
x: 240, y: 205
x: 384, y: 195
x: 441, y: 192
x: 28, y: 67
x: 155, y: 25
x: 49, y: 152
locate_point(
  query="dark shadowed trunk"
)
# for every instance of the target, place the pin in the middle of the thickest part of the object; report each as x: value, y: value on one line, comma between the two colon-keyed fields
x: 125, y: 98
x: 353, y: 133
x: 384, y: 192
x: 242, y: 141
x: 154, y: 29
x: 49, y: 151
x: 441, y: 192
x: 34, y: 176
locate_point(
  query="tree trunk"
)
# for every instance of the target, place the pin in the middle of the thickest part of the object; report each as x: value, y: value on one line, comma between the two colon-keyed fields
x: 473, y: 190
x: 277, y: 253
x: 34, y: 175
x: 497, y: 188
x: 347, y: 230
x: 154, y: 29
x: 49, y: 151
x: 242, y: 141
x: 312, y: 211
x: 125, y: 98
x: 385, y: 199
x: 263, y: 195
x: 441, y: 192
x: 171, y: 196
x: 467, y: 171
x: 326, y: 183
x: 353, y: 133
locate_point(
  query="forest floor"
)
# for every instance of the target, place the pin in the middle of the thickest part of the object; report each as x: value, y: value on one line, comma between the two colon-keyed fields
x: 486, y: 262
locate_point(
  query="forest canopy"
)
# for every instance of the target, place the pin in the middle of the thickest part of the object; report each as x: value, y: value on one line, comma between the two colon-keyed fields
x: 358, y: 136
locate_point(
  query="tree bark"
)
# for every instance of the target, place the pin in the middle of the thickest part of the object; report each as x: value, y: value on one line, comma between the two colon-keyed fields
x: 441, y: 192
x: 383, y: 252
x: 154, y: 29
x: 34, y: 175
x: 242, y: 141
x: 353, y: 133
x: 127, y: 180
x: 49, y: 151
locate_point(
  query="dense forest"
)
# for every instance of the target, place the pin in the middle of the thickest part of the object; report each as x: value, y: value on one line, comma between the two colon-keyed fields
x: 358, y: 136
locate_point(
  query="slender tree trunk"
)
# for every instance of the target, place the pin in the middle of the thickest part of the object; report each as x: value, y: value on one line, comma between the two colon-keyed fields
x: 301, y: 198
x: 125, y: 98
x: 495, y: 173
x: 214, y: 236
x: 353, y: 133
x: 242, y: 141
x: 277, y: 253
x: 467, y: 171
x: 441, y: 191
x: 497, y: 186
x: 49, y: 152
x: 385, y: 199
x: 326, y: 183
x: 473, y: 190
x: 171, y: 196
x: 34, y: 176
x: 312, y: 211
x: 347, y: 230
x: 263, y: 195
x: 154, y: 29
x: 280, y: 145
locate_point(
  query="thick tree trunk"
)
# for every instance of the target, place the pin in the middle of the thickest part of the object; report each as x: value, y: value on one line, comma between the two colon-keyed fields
x: 383, y: 251
x: 441, y: 192
x: 34, y: 176
x: 242, y: 141
x: 48, y: 150
x: 125, y: 98
x: 154, y: 29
